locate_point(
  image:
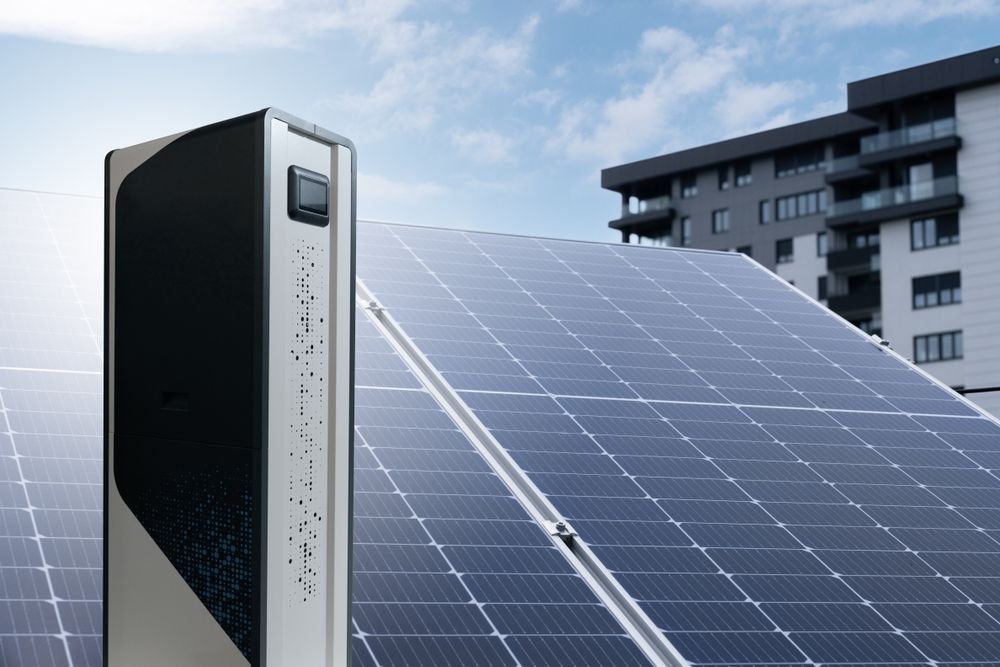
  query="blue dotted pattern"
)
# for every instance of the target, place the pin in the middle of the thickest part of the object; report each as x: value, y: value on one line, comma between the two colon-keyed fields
x: 203, y: 522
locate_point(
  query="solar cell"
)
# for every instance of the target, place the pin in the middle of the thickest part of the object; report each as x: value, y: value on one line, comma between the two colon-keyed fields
x: 449, y: 568
x: 50, y: 430
x: 770, y: 485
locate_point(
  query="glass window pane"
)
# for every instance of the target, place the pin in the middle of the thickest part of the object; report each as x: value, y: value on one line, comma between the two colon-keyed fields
x: 947, y: 349
x: 921, y: 349
x: 917, y: 234
x: 933, y: 348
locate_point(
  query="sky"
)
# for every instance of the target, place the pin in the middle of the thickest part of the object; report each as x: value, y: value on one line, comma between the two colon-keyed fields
x: 478, y: 115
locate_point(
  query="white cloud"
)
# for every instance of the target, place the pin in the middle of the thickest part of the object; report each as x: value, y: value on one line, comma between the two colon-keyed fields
x: 375, y: 187
x: 546, y: 98
x: 683, y: 73
x: 667, y: 40
x: 432, y: 68
x: 750, y: 107
x: 175, y: 25
x: 568, y: 5
x: 841, y: 14
x: 484, y: 146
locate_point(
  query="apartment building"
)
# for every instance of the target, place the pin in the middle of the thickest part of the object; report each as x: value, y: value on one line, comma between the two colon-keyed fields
x: 888, y: 212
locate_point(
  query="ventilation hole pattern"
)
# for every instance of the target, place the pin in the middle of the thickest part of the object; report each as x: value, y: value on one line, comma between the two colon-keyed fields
x: 307, y: 424
x: 202, y: 520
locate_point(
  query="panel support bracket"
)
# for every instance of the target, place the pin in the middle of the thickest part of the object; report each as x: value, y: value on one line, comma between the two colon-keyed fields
x: 626, y: 610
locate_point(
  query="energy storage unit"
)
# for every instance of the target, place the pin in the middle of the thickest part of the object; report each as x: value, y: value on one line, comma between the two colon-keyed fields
x: 228, y: 382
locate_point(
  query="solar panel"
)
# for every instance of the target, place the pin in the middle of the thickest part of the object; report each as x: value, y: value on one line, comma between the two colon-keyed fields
x: 449, y: 568
x: 50, y: 430
x: 768, y: 483
x: 769, y: 486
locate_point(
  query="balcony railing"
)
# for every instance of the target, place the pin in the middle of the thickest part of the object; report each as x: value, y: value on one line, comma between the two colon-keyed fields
x: 850, y: 258
x: 915, y: 134
x: 903, y: 194
x: 867, y: 297
x: 648, y: 206
x: 842, y: 164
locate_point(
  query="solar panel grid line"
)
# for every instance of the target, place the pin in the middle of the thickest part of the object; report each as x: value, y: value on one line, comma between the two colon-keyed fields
x: 846, y: 330
x: 46, y: 352
x: 498, y: 267
x: 95, y: 337
x: 361, y: 634
x: 642, y: 630
x: 731, y: 578
x: 884, y: 349
x: 566, y: 632
x: 36, y: 537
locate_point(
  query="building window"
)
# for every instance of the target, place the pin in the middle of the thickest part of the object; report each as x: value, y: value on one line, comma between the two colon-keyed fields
x: 746, y: 250
x: 744, y: 175
x: 937, y: 347
x: 870, y: 325
x: 822, y: 244
x: 783, y: 251
x: 720, y: 221
x: 868, y: 239
x: 800, y: 160
x: 821, y: 288
x: 724, y: 182
x: 685, y: 231
x: 802, y: 204
x: 933, y: 232
x: 937, y: 290
x: 689, y: 185
x: 765, y: 211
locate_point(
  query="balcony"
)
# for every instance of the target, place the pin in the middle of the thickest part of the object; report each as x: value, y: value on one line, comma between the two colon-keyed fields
x: 844, y: 169
x: 926, y: 138
x: 866, y: 258
x: 866, y: 298
x: 907, y: 136
x: 650, y: 215
x: 914, y: 140
x: 898, y: 202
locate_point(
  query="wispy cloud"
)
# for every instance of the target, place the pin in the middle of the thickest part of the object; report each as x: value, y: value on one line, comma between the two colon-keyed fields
x: 568, y: 5
x: 176, y: 25
x: 434, y: 67
x: 841, y: 14
x: 375, y: 187
x: 485, y: 146
x: 748, y: 107
x: 679, y: 74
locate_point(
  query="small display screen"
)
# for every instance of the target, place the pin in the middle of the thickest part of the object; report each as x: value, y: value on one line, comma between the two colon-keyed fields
x: 313, y: 195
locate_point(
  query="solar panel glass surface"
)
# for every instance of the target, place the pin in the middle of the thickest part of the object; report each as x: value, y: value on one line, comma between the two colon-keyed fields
x: 50, y: 430
x: 770, y: 485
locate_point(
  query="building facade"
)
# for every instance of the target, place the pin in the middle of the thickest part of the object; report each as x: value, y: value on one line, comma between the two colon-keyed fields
x: 888, y: 212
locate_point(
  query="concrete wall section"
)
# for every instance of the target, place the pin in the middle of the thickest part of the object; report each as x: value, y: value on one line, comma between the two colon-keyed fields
x: 978, y: 114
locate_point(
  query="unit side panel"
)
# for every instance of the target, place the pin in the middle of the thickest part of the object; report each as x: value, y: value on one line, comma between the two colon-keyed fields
x: 298, y: 412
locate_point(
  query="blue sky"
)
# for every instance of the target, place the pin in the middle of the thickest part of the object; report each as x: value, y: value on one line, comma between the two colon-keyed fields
x: 494, y: 116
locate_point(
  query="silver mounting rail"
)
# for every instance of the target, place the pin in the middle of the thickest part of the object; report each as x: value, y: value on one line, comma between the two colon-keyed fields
x: 632, y: 618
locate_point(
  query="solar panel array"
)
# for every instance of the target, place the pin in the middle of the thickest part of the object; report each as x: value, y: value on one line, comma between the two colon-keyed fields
x: 50, y: 430
x: 450, y: 569
x: 772, y: 487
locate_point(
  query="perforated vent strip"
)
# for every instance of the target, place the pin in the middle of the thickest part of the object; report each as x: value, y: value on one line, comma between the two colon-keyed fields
x: 307, y: 421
